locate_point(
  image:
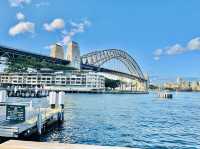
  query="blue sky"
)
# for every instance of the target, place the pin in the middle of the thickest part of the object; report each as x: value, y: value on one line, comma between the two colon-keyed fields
x: 163, y: 36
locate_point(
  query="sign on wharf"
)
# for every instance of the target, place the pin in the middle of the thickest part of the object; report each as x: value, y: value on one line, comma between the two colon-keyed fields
x: 15, y: 113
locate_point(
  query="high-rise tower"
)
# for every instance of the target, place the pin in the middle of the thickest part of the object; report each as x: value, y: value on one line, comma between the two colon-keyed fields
x: 73, y: 54
x: 57, y: 51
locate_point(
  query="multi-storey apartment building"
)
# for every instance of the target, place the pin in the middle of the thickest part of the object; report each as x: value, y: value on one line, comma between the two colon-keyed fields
x: 72, y: 80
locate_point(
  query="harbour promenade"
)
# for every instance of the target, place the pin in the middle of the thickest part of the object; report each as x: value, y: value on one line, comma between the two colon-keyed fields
x: 12, y: 144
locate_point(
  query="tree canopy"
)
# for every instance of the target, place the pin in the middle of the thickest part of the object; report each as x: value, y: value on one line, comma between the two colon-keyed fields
x: 109, y: 83
x: 21, y: 64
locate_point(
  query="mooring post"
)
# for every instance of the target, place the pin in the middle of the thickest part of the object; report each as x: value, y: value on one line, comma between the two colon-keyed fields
x: 39, y: 123
x: 61, y: 105
x: 52, y: 99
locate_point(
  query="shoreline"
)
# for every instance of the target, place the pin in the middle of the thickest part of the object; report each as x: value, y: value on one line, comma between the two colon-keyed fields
x: 14, y: 144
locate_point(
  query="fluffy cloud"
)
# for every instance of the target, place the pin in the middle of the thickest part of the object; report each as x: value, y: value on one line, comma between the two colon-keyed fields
x: 22, y: 27
x: 17, y: 3
x: 158, y: 53
x: 49, y: 47
x: 20, y: 16
x: 156, y: 58
x: 41, y: 4
x: 192, y: 45
x: 76, y: 28
x: 175, y: 49
x: 55, y: 24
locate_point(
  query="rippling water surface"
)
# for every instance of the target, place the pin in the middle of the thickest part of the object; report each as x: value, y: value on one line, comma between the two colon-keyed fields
x: 142, y: 121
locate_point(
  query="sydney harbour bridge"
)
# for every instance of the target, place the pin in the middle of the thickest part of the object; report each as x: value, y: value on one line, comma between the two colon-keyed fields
x: 92, y: 61
x: 95, y: 61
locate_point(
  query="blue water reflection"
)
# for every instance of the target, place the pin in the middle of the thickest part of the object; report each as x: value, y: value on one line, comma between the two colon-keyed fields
x: 143, y: 121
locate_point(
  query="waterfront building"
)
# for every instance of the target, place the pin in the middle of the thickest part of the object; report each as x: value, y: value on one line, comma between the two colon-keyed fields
x: 69, y: 81
x: 57, y: 51
x: 3, y: 61
x: 183, y: 85
x: 179, y: 80
x: 195, y: 86
x: 73, y: 55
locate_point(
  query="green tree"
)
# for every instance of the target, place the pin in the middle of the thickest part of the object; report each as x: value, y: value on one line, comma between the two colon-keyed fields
x: 109, y: 83
x: 22, y: 63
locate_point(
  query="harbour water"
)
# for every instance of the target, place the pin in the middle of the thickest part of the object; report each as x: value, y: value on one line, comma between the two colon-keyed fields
x: 142, y: 121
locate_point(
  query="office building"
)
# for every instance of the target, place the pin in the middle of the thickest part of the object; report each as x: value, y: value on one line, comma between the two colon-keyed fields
x: 73, y: 54
x: 57, y: 51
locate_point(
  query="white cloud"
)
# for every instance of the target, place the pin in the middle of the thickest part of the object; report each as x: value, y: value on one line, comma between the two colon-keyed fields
x: 20, y: 16
x: 158, y: 53
x: 17, y: 3
x: 55, y: 24
x: 156, y: 58
x: 194, y: 44
x: 76, y: 28
x: 22, y: 27
x: 175, y: 49
x: 41, y: 4
x: 172, y: 50
x: 49, y: 47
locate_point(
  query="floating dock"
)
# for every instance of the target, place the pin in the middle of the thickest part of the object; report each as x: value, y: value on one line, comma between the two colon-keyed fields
x: 37, y: 124
x: 22, y: 119
x: 165, y: 95
x: 41, y: 145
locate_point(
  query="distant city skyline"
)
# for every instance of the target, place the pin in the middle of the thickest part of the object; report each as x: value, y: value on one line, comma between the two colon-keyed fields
x: 163, y: 36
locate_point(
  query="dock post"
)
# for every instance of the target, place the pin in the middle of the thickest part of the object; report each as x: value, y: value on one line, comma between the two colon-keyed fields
x: 52, y: 99
x: 39, y: 123
x: 61, y: 104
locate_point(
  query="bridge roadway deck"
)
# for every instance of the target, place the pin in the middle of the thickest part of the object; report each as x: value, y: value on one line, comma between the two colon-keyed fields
x: 100, y: 69
x: 13, y: 52
x: 38, y: 145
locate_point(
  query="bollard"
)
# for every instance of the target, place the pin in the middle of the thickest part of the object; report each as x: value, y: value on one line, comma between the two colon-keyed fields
x: 39, y: 123
x: 61, y: 99
x: 61, y: 104
x: 52, y: 99
x: 31, y: 105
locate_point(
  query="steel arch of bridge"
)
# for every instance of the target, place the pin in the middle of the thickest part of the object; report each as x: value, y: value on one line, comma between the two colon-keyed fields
x: 98, y: 58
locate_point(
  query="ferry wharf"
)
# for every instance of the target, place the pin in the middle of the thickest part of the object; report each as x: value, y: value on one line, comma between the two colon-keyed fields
x: 19, y: 120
